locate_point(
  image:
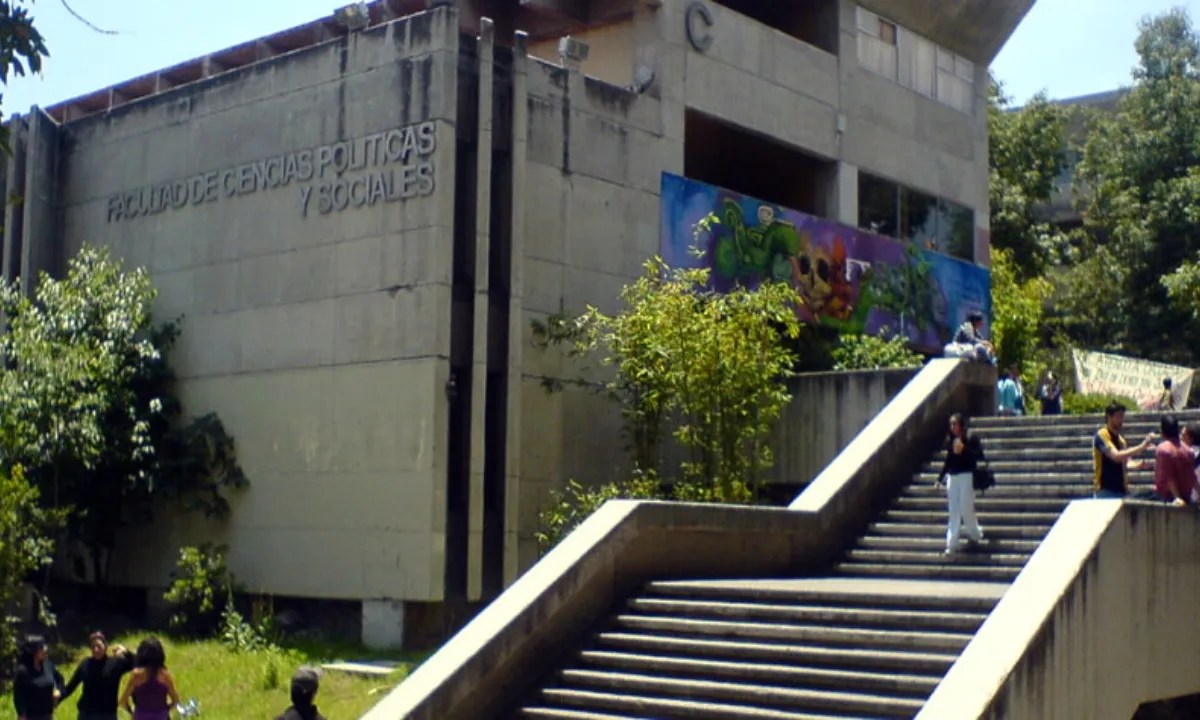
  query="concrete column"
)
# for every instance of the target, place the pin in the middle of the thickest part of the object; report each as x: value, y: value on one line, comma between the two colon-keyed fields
x: 39, y: 249
x: 479, y: 374
x: 14, y: 213
x: 845, y: 195
x: 516, y: 307
x: 383, y: 624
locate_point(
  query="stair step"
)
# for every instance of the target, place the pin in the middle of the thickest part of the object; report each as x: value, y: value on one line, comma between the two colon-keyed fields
x: 850, y: 616
x: 909, y: 544
x: 987, y: 502
x: 933, y: 528
x: 1032, y: 477
x: 1132, y: 417
x: 940, y: 572
x: 837, y: 591
x: 793, y: 675
x: 1065, y: 466
x: 1031, y: 491
x: 550, y: 713
x: 1004, y: 453
x: 671, y: 708
x: 1078, y: 442
x: 1137, y: 431
x: 754, y: 695
x: 779, y: 653
x: 935, y: 557
x: 985, y: 517
x: 780, y: 632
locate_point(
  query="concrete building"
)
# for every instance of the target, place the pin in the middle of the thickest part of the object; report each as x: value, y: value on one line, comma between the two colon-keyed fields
x: 1062, y: 208
x: 359, y: 219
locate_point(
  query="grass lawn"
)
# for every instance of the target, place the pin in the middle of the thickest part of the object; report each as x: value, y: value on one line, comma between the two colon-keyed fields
x: 235, y: 686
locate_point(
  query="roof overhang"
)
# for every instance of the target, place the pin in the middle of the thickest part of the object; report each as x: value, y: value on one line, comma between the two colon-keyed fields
x: 975, y: 29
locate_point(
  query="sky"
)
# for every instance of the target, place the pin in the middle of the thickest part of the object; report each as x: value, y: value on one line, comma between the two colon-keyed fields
x: 1057, y: 48
x: 1068, y: 52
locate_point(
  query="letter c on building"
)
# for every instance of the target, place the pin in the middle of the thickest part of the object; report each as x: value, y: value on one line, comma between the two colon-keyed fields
x: 698, y: 14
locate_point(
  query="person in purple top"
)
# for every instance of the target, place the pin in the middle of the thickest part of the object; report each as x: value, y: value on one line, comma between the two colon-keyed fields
x: 150, y: 685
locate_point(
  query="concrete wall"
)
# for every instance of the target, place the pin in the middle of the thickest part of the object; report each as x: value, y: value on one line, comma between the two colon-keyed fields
x: 595, y: 158
x: 592, y: 175
x: 1097, y: 623
x: 610, y: 56
x: 827, y: 411
x: 825, y: 104
x: 541, y: 617
x: 320, y: 338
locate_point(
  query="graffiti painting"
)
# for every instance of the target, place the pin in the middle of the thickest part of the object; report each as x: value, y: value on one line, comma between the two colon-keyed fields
x: 849, y: 279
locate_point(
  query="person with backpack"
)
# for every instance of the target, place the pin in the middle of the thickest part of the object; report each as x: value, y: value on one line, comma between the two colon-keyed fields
x: 964, y: 452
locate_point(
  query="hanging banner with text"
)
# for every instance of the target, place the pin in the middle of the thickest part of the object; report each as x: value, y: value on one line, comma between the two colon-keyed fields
x: 1142, y: 380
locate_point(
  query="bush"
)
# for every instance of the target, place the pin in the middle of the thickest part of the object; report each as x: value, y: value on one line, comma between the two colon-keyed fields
x: 572, y: 505
x: 874, y: 352
x: 25, y: 546
x: 1092, y: 403
x: 201, y: 589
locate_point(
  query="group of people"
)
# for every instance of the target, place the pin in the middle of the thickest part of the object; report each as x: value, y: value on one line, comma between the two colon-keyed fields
x: 1176, y: 469
x: 149, y: 694
x: 1176, y: 459
x: 1010, y: 394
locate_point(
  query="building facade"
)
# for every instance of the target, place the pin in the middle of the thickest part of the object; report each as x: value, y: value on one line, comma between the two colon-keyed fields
x: 359, y: 220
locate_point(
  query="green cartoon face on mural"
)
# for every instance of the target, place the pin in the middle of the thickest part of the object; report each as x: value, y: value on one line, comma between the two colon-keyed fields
x: 766, y: 251
x: 775, y: 250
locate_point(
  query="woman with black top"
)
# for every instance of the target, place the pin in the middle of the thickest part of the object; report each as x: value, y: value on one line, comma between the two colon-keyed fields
x: 37, y: 685
x: 963, y: 451
x: 100, y: 676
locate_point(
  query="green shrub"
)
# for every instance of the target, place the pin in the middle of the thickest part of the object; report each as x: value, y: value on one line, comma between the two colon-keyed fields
x: 1092, y: 403
x: 874, y: 352
x: 572, y: 505
x: 25, y: 547
x: 201, y: 589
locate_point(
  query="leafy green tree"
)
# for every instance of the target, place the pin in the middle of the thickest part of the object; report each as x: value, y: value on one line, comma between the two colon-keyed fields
x: 26, y: 545
x: 1027, y: 151
x: 716, y: 361
x: 1018, y: 313
x: 21, y: 45
x: 85, y: 404
x: 1141, y: 167
x: 873, y: 352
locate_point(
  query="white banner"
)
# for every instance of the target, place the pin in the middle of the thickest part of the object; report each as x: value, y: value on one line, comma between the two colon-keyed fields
x: 1139, y: 379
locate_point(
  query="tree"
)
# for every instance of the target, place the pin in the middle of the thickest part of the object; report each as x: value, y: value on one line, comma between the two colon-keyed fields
x: 25, y: 546
x: 21, y: 46
x: 874, y: 352
x: 1141, y: 166
x: 1027, y: 151
x: 714, y: 363
x: 1018, y: 310
x: 85, y: 404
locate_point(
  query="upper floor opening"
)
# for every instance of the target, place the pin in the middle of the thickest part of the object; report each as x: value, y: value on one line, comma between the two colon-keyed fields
x: 814, y: 21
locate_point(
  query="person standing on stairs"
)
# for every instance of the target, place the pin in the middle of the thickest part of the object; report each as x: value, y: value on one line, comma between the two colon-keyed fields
x: 963, y: 452
x: 1111, y: 454
x: 1174, y: 474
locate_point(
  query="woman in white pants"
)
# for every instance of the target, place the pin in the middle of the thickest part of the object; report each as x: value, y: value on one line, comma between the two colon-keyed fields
x: 963, y: 452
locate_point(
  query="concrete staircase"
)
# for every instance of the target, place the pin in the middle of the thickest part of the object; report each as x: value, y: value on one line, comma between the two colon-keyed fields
x: 873, y: 639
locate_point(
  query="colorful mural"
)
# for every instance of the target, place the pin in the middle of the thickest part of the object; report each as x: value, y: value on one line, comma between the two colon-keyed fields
x: 850, y: 279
